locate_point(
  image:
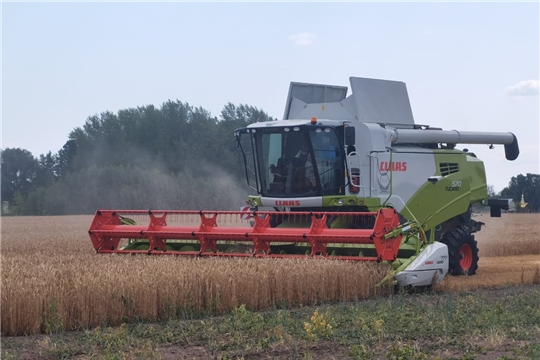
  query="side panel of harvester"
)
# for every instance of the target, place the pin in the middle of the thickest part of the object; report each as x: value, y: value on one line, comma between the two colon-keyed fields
x: 403, y: 183
x: 397, y: 176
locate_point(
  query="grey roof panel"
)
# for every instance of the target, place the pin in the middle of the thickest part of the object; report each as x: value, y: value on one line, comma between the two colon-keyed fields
x: 313, y: 93
x: 381, y: 101
x: 372, y: 100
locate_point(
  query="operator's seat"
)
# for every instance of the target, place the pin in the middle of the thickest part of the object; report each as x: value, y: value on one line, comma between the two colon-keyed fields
x: 299, y: 180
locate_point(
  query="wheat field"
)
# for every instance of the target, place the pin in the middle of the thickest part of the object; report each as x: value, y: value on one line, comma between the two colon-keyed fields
x: 509, y: 251
x: 52, y: 279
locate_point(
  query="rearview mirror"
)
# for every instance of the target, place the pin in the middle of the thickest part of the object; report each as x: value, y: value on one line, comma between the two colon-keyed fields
x: 349, y: 136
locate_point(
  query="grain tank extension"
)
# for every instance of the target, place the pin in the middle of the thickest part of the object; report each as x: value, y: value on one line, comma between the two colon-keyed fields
x: 340, y: 177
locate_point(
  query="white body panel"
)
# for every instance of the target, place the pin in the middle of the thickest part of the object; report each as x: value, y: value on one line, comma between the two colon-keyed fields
x: 369, y: 138
x: 430, y: 267
x: 408, y: 172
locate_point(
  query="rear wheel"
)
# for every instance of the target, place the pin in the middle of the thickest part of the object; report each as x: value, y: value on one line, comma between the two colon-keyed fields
x: 462, y: 251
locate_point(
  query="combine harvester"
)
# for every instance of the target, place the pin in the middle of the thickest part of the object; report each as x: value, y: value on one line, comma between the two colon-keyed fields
x: 351, y: 178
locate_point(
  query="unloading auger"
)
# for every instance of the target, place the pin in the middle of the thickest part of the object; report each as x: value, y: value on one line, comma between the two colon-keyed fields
x: 347, y: 178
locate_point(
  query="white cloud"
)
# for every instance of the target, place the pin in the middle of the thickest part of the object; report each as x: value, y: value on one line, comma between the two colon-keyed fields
x: 524, y: 88
x: 302, y: 39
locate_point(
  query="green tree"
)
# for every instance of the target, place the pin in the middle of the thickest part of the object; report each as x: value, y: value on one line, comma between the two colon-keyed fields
x: 243, y: 115
x: 528, y: 185
x: 65, y: 158
x: 174, y: 155
x: 491, y: 191
x: 19, y: 169
x: 232, y: 118
x: 46, y: 174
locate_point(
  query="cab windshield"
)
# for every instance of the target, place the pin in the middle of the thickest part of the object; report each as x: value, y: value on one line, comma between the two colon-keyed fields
x: 299, y: 161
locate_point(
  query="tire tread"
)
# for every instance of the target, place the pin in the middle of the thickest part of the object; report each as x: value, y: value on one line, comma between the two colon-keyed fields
x: 454, y: 239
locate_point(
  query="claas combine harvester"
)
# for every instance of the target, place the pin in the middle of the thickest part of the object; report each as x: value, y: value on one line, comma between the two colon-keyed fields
x: 340, y: 177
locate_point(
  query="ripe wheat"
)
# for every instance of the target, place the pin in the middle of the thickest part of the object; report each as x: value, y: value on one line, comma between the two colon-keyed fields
x: 52, y: 280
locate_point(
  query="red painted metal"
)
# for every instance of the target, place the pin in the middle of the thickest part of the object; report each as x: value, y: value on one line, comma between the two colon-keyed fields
x: 107, y: 230
x: 466, y: 257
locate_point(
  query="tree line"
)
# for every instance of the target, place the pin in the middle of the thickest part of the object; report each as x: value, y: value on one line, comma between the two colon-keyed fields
x: 175, y: 156
x: 171, y: 157
x: 527, y: 185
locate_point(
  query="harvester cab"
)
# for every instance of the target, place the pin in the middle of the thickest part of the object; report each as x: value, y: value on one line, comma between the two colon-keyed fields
x: 340, y: 177
x: 297, y: 161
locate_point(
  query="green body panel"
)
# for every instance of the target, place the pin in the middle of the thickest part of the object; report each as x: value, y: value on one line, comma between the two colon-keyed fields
x: 373, y: 204
x: 254, y: 200
x: 435, y: 203
x: 477, y: 175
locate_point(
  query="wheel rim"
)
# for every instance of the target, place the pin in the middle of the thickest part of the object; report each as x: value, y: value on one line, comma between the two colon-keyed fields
x: 465, y: 257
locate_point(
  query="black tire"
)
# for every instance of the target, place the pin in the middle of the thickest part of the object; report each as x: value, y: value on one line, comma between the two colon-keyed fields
x: 462, y: 252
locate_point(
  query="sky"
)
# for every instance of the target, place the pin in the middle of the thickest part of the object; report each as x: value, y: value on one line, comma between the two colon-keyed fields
x: 467, y: 66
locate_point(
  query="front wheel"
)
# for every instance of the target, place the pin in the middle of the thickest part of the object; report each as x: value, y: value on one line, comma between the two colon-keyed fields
x: 462, y: 252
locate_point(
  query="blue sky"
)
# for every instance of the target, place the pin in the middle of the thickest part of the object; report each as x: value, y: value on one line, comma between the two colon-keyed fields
x: 467, y: 66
